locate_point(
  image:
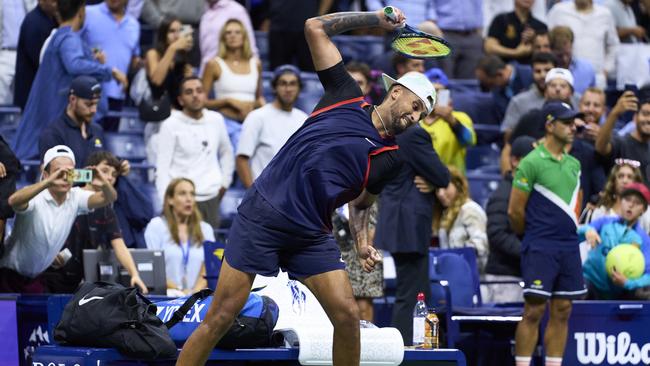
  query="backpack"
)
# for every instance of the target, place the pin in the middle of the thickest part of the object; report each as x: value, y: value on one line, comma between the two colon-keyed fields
x: 103, y: 314
x: 252, y: 328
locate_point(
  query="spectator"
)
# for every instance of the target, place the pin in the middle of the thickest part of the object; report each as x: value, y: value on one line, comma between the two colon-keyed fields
x: 35, y: 28
x: 65, y: 58
x: 635, y: 145
x: 404, y: 223
x: 451, y: 131
x: 511, y: 34
x: 213, y: 21
x: 504, y: 80
x: 286, y: 31
x: 626, y: 26
x: 623, y: 173
x: 462, y: 221
x: 595, y: 34
x: 504, y: 258
x: 235, y: 74
x: 604, y: 235
x: 266, y: 129
x: 168, y: 63
x: 403, y: 64
x: 544, y: 198
x: 194, y: 144
x: 561, y: 39
x: 592, y: 104
x: 10, y: 169
x: 96, y: 229
x: 180, y: 233
x: 45, y: 213
x: 12, y: 14
x: 533, y: 98
x: 115, y: 37
x: 541, y: 43
x: 362, y: 74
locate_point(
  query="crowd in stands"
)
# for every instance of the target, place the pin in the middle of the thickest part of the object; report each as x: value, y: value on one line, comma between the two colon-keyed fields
x: 218, y: 87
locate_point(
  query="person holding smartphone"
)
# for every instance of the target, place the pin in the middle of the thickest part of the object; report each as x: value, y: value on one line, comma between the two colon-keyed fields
x: 45, y: 213
x: 451, y: 131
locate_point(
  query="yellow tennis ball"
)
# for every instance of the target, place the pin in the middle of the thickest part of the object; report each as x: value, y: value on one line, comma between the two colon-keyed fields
x: 628, y: 260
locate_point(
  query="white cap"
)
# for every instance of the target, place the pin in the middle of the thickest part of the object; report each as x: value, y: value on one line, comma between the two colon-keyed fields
x: 57, y: 152
x: 559, y: 73
x: 418, y: 83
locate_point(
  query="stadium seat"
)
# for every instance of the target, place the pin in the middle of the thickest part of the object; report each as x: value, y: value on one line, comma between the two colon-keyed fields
x: 229, y: 203
x: 482, y: 155
x: 482, y: 183
x: 312, y: 91
x: 481, y: 109
x: 359, y: 48
x: 126, y: 146
x: 262, y: 41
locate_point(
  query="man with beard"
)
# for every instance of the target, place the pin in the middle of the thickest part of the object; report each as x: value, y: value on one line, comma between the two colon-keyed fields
x: 592, y: 104
x: 635, y: 145
x: 194, y: 144
x: 544, y: 204
x: 344, y: 152
x: 266, y: 129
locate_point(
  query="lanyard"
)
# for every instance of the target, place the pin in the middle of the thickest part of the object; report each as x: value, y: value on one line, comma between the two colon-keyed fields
x: 186, y: 260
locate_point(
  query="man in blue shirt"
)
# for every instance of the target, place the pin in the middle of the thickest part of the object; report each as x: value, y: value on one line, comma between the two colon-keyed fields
x: 345, y: 151
x: 34, y: 30
x: 65, y: 57
x: 115, y: 34
x: 561, y: 39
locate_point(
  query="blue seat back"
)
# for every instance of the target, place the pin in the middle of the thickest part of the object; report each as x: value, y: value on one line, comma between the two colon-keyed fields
x: 126, y: 146
x: 213, y: 253
x: 459, y: 268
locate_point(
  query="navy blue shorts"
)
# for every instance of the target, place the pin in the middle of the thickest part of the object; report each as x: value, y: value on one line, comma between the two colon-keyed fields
x: 261, y: 241
x: 553, y: 273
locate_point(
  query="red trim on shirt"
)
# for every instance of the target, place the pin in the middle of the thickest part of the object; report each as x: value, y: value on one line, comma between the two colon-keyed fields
x: 373, y: 153
x: 343, y: 102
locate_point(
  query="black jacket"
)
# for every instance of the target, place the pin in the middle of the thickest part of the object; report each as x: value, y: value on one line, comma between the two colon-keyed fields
x: 405, y: 214
x: 505, y: 245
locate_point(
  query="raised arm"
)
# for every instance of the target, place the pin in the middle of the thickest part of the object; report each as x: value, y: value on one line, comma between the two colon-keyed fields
x: 318, y: 31
x: 105, y: 196
x: 627, y: 102
x: 19, y: 200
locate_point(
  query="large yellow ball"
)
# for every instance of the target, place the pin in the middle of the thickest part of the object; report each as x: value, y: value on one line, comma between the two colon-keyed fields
x: 628, y: 260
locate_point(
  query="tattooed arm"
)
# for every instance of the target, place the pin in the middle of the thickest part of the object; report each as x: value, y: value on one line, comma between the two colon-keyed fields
x: 359, y: 220
x: 319, y: 29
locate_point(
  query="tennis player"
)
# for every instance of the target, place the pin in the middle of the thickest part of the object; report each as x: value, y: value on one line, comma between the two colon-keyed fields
x: 345, y: 151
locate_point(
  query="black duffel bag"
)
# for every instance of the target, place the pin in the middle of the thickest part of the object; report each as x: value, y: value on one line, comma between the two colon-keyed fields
x: 105, y: 314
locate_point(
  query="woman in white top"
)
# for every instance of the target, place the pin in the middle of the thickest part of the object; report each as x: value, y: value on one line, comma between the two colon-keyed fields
x: 180, y: 233
x: 624, y: 172
x: 235, y: 74
x: 463, y: 222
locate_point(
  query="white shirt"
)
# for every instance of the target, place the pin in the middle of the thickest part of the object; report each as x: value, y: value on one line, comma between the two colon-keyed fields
x: 197, y: 149
x: 594, y: 33
x: 623, y: 15
x: 158, y: 237
x: 264, y: 132
x: 40, y: 231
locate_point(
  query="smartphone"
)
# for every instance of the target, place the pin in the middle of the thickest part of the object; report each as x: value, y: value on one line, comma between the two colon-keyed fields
x: 632, y: 88
x: 443, y: 98
x: 186, y: 30
x: 81, y: 176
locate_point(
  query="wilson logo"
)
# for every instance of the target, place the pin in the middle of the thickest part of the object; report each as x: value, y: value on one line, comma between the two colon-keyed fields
x: 598, y: 348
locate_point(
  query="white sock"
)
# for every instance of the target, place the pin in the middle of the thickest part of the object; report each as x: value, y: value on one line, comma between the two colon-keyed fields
x: 522, y: 361
x: 553, y: 361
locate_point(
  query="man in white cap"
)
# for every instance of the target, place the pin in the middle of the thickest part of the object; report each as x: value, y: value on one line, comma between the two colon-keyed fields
x: 345, y: 151
x: 45, y: 213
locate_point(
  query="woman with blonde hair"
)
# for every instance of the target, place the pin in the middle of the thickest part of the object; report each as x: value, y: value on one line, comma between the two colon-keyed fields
x: 462, y: 222
x: 235, y: 74
x: 624, y: 172
x: 180, y: 233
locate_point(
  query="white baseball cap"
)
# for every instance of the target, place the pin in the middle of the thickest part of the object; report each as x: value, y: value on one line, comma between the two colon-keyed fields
x: 559, y: 73
x: 416, y: 82
x: 57, y: 152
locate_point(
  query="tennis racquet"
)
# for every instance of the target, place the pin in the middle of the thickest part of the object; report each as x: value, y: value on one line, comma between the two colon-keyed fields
x: 417, y: 44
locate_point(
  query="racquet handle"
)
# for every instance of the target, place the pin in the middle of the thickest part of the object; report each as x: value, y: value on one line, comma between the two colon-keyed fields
x: 389, y: 12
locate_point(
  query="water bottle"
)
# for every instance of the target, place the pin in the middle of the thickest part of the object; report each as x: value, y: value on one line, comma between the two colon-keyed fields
x: 419, y: 314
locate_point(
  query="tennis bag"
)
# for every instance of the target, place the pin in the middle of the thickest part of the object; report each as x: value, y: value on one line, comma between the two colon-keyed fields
x: 103, y: 314
x: 252, y: 328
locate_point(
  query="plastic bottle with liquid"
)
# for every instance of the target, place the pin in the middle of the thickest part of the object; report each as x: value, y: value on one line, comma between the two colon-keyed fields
x: 431, y: 330
x: 419, y: 316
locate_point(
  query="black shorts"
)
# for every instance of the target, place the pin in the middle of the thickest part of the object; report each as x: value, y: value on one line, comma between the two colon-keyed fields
x: 553, y: 273
x: 261, y: 241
